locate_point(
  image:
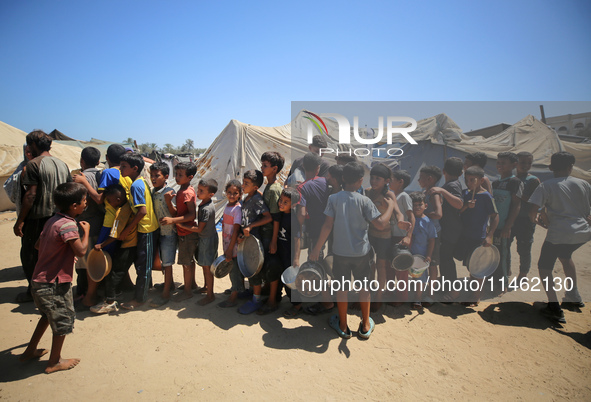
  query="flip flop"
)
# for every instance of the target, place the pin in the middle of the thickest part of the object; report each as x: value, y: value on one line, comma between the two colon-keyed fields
x: 367, y: 334
x: 266, y: 309
x: 250, y: 307
x: 333, y: 321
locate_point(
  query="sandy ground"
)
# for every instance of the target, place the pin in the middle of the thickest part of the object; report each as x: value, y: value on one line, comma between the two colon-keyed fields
x: 495, y: 351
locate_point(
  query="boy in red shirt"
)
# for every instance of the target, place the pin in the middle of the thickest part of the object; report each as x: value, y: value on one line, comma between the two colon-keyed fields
x: 51, y: 284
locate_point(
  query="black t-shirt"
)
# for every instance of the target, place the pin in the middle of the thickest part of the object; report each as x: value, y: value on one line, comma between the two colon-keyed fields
x: 451, y: 222
x: 288, y: 231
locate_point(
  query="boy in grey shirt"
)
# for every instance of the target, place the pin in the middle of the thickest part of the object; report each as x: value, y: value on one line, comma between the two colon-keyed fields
x: 567, y: 201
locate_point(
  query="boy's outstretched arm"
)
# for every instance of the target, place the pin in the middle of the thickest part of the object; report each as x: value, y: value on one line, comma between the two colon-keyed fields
x: 494, y: 222
x: 324, y: 233
x: 96, y: 197
x: 81, y: 245
x: 188, y: 217
x: 261, y: 222
x: 438, y: 210
x: 513, y: 212
x: 396, y: 212
x: 454, y: 201
x: 141, y: 212
x: 168, y: 199
x: 230, y: 250
x: 273, y: 245
x: 382, y: 222
x: 195, y: 229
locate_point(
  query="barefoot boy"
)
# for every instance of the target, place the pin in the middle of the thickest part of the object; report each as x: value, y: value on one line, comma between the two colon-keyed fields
x: 162, y: 196
x: 208, y: 236
x: 51, y: 285
x: 185, y: 213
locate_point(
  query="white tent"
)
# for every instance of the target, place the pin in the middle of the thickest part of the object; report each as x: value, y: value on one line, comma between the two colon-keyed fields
x: 438, y: 139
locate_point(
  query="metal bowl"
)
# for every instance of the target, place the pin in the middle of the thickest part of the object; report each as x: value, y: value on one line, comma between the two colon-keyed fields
x: 98, y: 264
x: 484, y: 261
x: 288, y: 277
x: 220, y: 267
x: 250, y: 256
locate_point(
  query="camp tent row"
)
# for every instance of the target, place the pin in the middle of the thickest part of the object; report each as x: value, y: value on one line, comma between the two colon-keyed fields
x: 239, y: 147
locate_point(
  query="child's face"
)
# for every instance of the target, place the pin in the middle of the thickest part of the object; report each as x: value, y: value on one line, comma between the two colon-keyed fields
x: 377, y: 182
x: 157, y: 178
x: 524, y: 164
x: 180, y: 175
x: 203, y: 193
x: 77, y: 209
x: 418, y: 208
x: 505, y: 166
x: 284, y: 204
x: 332, y: 181
x: 426, y: 180
x: 248, y: 186
x: 126, y: 170
x: 233, y: 194
x: 473, y: 182
x: 116, y: 200
x: 396, y: 184
x: 267, y: 169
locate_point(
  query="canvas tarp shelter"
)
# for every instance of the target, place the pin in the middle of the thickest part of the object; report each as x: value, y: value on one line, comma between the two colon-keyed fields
x: 12, y: 141
x: 439, y: 138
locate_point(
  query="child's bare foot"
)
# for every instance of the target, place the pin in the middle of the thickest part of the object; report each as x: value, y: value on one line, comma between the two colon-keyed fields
x: 132, y: 305
x: 63, y: 364
x: 201, y: 290
x: 206, y: 300
x: 182, y: 297
x: 33, y: 355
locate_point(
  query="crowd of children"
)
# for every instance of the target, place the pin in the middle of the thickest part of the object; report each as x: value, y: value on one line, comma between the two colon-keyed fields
x: 329, y: 214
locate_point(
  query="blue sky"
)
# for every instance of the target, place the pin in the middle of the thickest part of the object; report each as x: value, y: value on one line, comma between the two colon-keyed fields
x: 166, y: 71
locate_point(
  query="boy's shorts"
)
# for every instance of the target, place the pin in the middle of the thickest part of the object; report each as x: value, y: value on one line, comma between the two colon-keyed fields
x: 360, y: 267
x: 382, y: 247
x: 55, y: 302
x: 168, y: 249
x: 208, y: 250
x: 550, y: 252
x: 187, y: 246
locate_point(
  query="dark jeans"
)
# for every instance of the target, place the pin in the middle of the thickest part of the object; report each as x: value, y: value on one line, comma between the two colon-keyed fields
x: 122, y: 260
x: 523, y: 229
x: 144, y: 259
x: 32, y: 229
x: 447, y: 265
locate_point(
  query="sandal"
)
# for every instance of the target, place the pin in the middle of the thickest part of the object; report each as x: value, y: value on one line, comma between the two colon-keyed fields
x: 416, y: 306
x: 266, y: 309
x: 333, y: 321
x: 159, y: 302
x: 367, y: 334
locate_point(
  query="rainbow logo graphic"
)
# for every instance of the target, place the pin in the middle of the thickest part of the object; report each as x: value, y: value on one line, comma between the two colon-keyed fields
x: 316, y: 119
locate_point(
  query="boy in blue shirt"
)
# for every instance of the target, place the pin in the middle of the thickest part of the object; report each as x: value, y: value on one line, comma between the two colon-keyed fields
x: 146, y: 223
x: 423, y: 240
